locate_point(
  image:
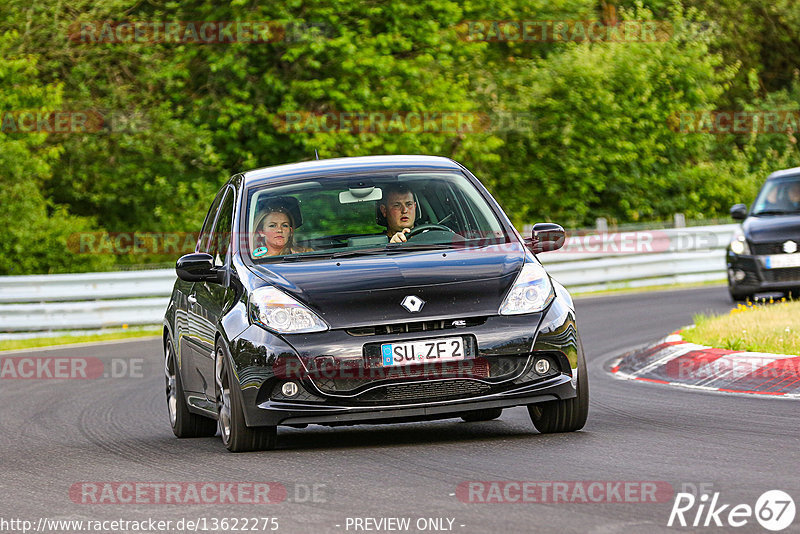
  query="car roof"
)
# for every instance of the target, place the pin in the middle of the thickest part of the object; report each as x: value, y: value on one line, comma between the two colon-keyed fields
x: 354, y: 165
x: 785, y: 173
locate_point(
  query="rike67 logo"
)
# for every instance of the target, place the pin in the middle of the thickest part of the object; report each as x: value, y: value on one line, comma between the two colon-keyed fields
x: 774, y: 510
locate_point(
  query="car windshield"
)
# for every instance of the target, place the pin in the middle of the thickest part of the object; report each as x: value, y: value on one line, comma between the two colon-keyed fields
x: 778, y: 197
x: 367, y: 215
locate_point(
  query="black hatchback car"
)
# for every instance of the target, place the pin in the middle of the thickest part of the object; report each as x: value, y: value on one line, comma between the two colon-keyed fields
x: 764, y: 254
x: 375, y: 289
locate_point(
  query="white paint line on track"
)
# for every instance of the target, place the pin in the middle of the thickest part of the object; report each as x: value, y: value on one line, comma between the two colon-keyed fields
x: 704, y: 389
x: 78, y: 345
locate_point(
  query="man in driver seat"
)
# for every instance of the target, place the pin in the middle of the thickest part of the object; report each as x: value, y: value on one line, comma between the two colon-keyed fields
x: 400, y: 210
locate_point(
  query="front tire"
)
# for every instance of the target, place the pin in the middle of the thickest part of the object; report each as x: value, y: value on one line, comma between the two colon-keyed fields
x: 185, y: 424
x: 564, y: 415
x: 737, y: 296
x: 236, y: 435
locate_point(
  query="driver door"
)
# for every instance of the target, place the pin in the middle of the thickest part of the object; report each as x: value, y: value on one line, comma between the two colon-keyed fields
x: 211, y: 300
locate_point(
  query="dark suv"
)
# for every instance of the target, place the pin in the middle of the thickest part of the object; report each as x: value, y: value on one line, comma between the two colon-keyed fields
x: 764, y: 254
x: 366, y: 290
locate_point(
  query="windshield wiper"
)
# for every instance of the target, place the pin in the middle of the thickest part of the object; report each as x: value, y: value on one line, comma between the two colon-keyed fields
x: 774, y: 212
x: 301, y: 257
x: 418, y: 246
x: 389, y: 249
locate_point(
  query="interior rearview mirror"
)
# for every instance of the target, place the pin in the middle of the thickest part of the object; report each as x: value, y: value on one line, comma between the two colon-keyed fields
x: 362, y: 191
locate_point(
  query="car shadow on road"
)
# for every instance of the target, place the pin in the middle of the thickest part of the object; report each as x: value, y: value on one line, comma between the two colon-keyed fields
x: 415, y: 434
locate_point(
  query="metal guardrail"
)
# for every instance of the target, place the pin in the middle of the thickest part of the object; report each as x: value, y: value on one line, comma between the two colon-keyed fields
x: 586, y: 263
x: 642, y: 258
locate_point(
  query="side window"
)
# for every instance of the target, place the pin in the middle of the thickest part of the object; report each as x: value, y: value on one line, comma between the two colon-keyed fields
x: 221, y: 238
x: 202, y: 239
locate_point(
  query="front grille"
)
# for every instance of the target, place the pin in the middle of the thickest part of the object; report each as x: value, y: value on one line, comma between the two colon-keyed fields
x: 425, y: 391
x: 789, y: 274
x: 767, y: 248
x: 419, y: 326
x: 344, y: 382
x: 490, y: 369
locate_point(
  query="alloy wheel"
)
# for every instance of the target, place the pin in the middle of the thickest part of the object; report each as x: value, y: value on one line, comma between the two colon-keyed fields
x: 224, y: 397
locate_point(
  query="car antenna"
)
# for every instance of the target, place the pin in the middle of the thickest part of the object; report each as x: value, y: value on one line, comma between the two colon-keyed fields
x: 316, y: 154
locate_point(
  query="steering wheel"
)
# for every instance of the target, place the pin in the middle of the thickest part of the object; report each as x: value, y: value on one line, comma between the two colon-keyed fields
x: 422, y: 228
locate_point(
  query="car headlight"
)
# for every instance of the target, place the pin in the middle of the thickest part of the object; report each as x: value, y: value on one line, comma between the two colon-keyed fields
x: 278, y: 311
x: 739, y: 243
x: 531, y: 292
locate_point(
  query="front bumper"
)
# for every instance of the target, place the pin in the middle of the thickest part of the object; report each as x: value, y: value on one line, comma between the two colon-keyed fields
x: 510, y: 345
x: 280, y: 412
x: 756, y: 278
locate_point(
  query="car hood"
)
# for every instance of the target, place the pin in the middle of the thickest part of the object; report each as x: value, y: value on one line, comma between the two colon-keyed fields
x: 368, y: 290
x: 771, y: 228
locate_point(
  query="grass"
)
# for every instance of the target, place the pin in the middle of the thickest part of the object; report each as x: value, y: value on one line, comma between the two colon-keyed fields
x: 17, y: 344
x: 770, y: 327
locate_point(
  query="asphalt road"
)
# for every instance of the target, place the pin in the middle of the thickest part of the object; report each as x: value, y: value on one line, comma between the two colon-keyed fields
x: 55, y: 434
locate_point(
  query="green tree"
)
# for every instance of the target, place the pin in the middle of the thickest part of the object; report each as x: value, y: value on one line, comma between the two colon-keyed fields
x: 602, y: 139
x: 37, y: 234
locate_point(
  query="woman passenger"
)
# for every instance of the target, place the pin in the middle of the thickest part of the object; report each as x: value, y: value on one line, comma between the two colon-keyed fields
x: 275, y: 234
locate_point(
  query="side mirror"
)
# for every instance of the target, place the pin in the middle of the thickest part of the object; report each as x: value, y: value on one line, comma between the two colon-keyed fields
x: 739, y: 212
x: 546, y: 237
x: 197, y: 267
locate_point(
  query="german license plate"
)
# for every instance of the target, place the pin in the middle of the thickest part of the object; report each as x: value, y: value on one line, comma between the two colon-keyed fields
x: 448, y: 349
x: 779, y: 261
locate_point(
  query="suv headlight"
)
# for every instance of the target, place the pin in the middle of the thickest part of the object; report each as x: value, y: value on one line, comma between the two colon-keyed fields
x: 739, y: 243
x: 278, y: 311
x: 531, y: 292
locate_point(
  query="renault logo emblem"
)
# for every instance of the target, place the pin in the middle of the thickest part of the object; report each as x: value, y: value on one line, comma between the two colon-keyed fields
x: 790, y: 247
x: 412, y: 303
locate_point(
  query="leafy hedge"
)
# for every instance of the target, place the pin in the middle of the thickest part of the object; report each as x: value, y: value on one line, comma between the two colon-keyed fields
x: 593, y: 134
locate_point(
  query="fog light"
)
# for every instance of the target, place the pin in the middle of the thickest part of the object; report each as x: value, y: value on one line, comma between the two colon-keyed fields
x: 289, y: 389
x: 738, y: 275
x: 541, y: 366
